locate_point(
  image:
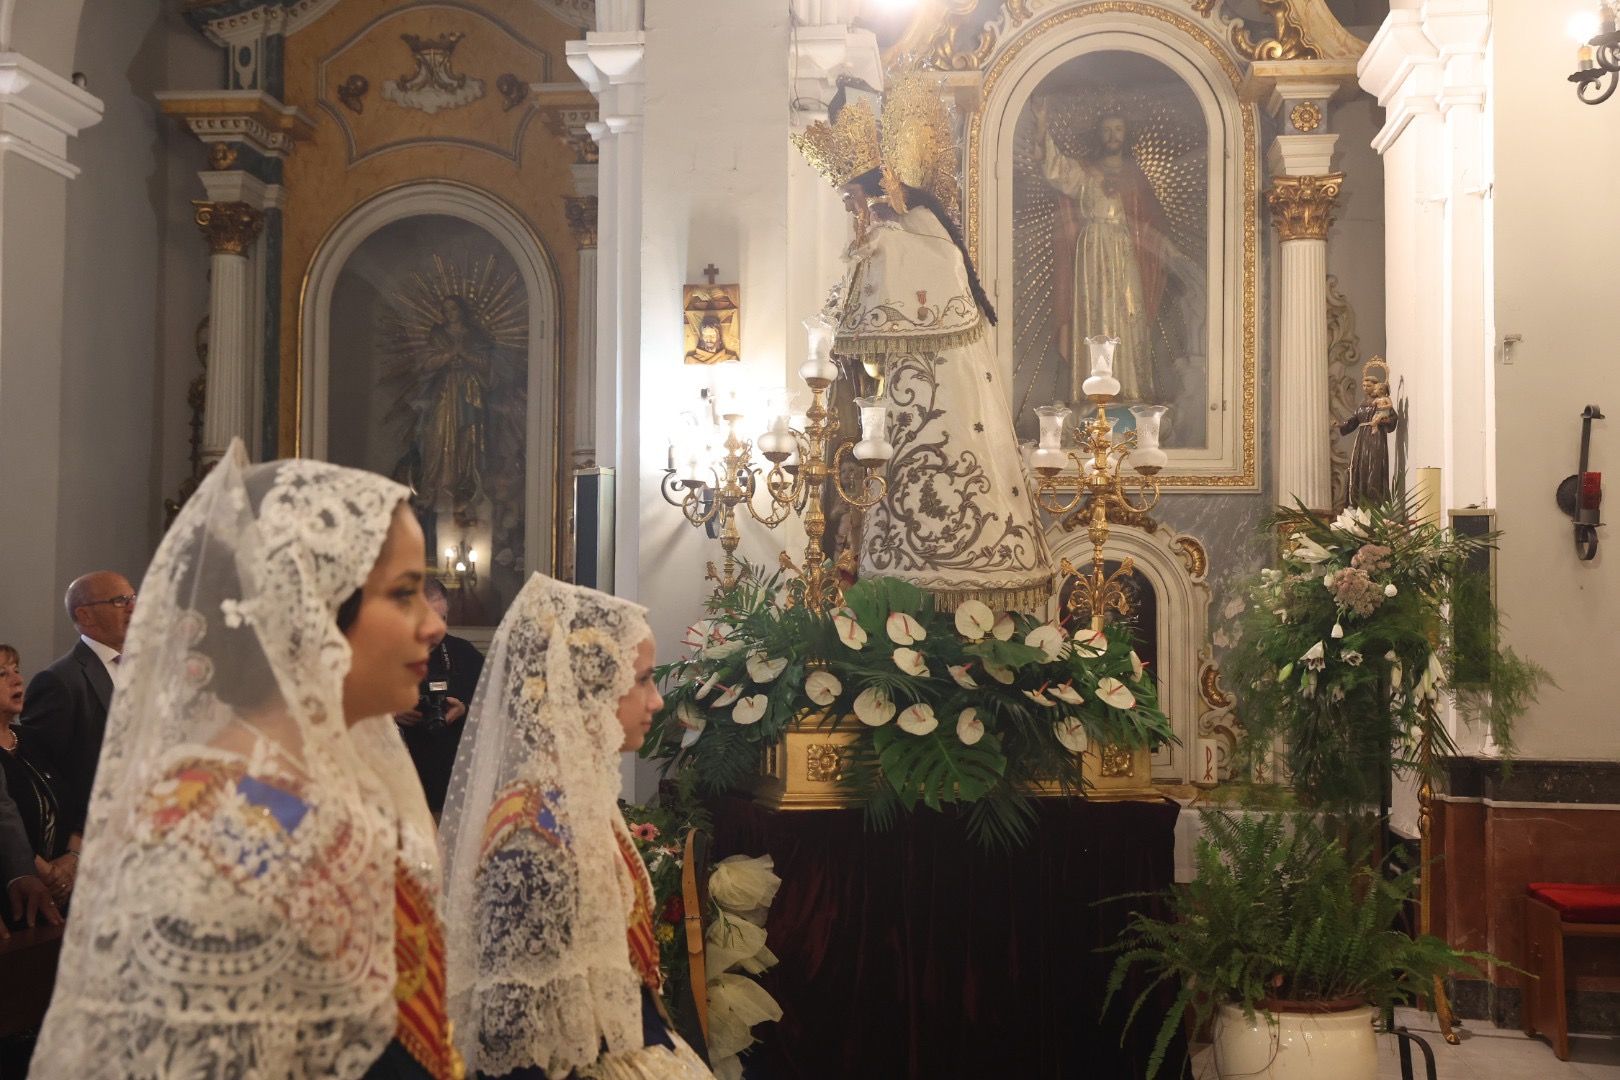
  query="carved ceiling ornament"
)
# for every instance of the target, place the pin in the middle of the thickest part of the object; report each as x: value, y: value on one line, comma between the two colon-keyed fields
x: 1302, y: 207
x: 1288, y: 40
x: 1306, y: 117
x: 434, y: 85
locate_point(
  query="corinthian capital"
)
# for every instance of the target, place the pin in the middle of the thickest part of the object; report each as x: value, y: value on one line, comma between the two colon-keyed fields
x: 581, y: 211
x: 230, y: 227
x: 1302, y: 206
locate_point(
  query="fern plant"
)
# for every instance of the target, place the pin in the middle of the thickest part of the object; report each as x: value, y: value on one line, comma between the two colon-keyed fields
x: 1280, y: 916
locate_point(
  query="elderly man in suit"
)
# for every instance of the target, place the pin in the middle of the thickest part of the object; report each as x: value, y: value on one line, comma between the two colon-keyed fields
x: 65, y: 708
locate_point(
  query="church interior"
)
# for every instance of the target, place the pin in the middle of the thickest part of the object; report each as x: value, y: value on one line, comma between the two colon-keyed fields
x: 1107, y: 480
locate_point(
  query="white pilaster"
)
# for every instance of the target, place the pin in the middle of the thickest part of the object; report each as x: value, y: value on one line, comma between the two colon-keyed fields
x: 231, y: 229
x: 1303, y: 451
x: 585, y: 383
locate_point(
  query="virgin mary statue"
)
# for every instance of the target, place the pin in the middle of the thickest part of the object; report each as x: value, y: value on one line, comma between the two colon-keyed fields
x: 958, y: 519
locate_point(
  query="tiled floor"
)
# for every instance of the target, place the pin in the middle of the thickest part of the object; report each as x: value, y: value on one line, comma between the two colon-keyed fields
x: 1485, y: 1053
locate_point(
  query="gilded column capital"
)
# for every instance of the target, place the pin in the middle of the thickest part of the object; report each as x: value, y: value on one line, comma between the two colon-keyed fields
x: 230, y: 227
x: 581, y: 211
x: 1302, y: 206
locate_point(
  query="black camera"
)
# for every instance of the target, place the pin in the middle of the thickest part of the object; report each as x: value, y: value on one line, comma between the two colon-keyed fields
x: 431, y: 704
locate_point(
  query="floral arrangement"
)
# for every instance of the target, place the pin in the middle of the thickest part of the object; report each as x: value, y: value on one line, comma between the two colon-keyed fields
x: 966, y: 707
x: 659, y: 835
x: 1348, y: 644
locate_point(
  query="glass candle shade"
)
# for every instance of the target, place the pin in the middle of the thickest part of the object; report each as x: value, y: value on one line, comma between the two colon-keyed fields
x: 874, y: 445
x: 1052, y: 419
x: 1147, y: 457
x: 777, y: 442
x: 818, y: 367
x: 1101, y: 383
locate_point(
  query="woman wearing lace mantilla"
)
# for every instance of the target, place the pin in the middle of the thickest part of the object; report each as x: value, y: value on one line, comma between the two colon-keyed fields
x: 257, y: 897
x: 554, y: 967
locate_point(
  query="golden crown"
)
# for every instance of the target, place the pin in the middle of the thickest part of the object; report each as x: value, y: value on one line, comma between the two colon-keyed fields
x: 1379, y: 363
x: 844, y: 149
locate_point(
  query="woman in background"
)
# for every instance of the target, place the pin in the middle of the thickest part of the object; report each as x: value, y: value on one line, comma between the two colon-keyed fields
x: 554, y: 967
x: 260, y: 867
x: 31, y: 789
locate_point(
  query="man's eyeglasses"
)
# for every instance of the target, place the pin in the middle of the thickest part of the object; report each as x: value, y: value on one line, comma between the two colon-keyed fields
x: 127, y: 600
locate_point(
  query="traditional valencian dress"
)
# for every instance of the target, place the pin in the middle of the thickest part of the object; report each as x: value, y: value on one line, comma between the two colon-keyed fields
x: 959, y: 519
x: 259, y: 882
x: 554, y: 966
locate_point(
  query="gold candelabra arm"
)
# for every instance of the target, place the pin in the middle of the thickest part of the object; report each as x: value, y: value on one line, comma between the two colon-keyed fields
x: 873, y: 486
x: 1146, y: 486
x: 1046, y: 496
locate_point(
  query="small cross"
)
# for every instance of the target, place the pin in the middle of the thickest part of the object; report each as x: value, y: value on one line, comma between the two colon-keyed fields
x: 711, y: 272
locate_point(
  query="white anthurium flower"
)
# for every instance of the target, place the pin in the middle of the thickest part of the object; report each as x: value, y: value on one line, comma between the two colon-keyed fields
x: 732, y: 694
x: 822, y: 687
x: 750, y: 709
x: 903, y: 629
x: 969, y: 728
x: 1306, y: 550
x: 1089, y: 643
x: 717, y: 643
x: 1338, y: 631
x: 708, y: 685
x: 1066, y: 693
x: 1353, y: 521
x: 918, y: 719
x: 974, y: 619
x: 1116, y: 693
x: 1391, y: 590
x: 1039, y: 698
x: 1003, y: 675
x: 693, y: 723
x: 850, y: 632
x: 959, y: 672
x: 1005, y: 628
x: 1047, y: 638
x: 1137, y: 667
x: 873, y: 707
x: 1072, y: 734
x: 763, y: 669
x: 1434, y: 674
x: 911, y: 662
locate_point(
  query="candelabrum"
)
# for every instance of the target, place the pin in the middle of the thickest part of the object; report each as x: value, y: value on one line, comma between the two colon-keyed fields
x: 460, y: 566
x: 709, y: 495
x: 1597, y: 61
x: 806, y: 468
x: 1103, y: 485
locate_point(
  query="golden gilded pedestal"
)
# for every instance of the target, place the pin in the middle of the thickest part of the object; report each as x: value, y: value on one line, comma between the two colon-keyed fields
x: 804, y: 771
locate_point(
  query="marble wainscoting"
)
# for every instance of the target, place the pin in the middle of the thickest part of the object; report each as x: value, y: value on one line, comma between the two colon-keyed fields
x: 1499, y: 828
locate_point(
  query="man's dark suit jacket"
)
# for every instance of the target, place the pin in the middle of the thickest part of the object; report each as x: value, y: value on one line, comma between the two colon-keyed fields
x: 64, y: 716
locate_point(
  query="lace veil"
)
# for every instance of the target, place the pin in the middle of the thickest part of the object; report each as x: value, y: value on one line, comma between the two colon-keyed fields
x: 235, y: 911
x: 540, y: 972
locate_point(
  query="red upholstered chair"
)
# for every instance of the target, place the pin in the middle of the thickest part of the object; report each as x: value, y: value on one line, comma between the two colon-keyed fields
x: 1554, y: 911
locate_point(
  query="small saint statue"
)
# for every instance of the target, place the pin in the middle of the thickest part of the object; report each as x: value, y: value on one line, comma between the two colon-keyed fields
x: 1372, y: 422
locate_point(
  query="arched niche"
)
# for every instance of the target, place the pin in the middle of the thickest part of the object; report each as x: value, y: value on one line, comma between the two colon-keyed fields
x: 1228, y: 455
x: 1173, y: 566
x: 535, y: 266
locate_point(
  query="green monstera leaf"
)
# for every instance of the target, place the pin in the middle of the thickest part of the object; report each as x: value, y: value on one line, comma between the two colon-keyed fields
x: 938, y: 767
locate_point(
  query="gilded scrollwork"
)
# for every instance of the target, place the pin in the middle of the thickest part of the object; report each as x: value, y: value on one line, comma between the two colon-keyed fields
x: 1116, y: 761
x: 824, y: 763
x: 1193, y: 554
x: 1288, y: 40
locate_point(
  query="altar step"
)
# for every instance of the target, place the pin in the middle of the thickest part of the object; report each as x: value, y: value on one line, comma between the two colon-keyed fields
x: 1485, y: 1053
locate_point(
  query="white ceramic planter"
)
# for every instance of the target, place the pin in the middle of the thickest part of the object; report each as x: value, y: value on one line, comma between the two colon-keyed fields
x: 1296, y: 1046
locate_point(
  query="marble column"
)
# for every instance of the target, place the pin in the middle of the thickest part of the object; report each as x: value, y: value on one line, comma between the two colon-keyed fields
x: 230, y: 229
x: 1302, y: 209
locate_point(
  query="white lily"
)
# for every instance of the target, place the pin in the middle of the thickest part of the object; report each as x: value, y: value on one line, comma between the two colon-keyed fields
x: 903, y: 629
x: 822, y: 687
x: 731, y: 694
x: 1047, y: 638
x: 1039, y: 698
x: 1066, y: 693
x: 1089, y: 642
x: 974, y: 619
x: 1137, y: 667
x: 1337, y: 632
x: 1072, y: 734
x: 1353, y: 521
x: 850, y: 632
x: 750, y: 709
x: 911, y: 662
x: 763, y: 669
x: 873, y: 707
x: 1003, y: 675
x: 969, y: 728
x: 1306, y: 550
x: 959, y: 672
x: 918, y: 719
x: 1005, y: 628
x: 1116, y: 693
x: 1315, y: 657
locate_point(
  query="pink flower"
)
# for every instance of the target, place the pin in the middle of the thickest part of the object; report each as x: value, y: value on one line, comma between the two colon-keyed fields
x: 644, y: 830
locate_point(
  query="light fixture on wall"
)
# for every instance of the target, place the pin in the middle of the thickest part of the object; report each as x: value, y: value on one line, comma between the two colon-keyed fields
x: 460, y: 566
x: 1597, y: 60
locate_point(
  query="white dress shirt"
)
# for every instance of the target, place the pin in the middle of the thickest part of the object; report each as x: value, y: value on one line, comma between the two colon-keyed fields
x: 107, y: 654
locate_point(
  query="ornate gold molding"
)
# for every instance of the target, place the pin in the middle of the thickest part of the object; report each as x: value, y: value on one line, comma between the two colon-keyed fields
x: 1210, y: 689
x: 1288, y: 40
x: 1302, y: 206
x: 581, y: 212
x: 1193, y: 554
x: 229, y: 227
x: 221, y: 156
x: 1306, y: 117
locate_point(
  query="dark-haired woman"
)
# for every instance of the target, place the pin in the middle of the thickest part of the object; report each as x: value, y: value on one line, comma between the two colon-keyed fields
x: 31, y: 789
x: 260, y: 868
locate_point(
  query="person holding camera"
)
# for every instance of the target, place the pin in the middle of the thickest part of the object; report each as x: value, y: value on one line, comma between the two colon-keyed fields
x: 432, y: 730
